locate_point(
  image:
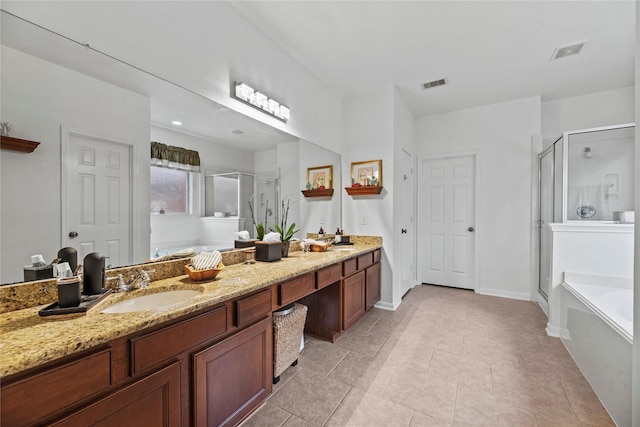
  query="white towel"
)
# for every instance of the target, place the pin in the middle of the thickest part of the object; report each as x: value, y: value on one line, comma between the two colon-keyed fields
x: 206, y: 260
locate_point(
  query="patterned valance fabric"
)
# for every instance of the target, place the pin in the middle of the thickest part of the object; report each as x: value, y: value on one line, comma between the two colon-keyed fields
x: 174, y: 157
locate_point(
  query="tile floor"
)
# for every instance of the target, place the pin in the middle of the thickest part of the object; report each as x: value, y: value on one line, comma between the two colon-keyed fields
x: 445, y: 357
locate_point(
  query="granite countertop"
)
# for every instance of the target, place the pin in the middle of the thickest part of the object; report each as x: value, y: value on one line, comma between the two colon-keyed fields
x: 28, y: 340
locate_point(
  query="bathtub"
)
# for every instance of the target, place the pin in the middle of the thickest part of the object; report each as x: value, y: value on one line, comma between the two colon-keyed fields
x: 597, y: 330
x: 217, y: 246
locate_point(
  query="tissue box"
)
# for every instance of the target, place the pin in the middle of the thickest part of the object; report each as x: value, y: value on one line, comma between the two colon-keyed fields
x: 624, y: 217
x: 38, y: 273
x: 245, y: 243
x: 268, y: 251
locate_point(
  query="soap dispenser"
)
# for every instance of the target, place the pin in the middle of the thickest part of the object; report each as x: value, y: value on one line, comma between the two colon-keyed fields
x: 93, y: 274
x: 69, y: 255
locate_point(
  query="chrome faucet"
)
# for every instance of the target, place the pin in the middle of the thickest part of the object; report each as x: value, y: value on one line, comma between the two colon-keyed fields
x: 141, y: 278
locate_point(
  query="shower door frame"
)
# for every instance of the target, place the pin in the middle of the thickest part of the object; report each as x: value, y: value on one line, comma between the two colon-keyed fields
x: 565, y: 166
x: 550, y: 150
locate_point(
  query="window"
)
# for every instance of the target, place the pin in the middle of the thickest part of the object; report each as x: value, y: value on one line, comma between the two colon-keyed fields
x: 170, y: 191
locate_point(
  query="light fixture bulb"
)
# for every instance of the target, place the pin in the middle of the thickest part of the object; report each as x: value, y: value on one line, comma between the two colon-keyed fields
x: 176, y: 123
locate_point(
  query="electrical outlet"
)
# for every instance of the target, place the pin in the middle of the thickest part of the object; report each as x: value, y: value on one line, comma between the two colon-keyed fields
x: 364, y: 220
x: 321, y: 220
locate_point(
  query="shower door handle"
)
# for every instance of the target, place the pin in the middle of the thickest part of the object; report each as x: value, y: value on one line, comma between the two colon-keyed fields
x: 470, y: 229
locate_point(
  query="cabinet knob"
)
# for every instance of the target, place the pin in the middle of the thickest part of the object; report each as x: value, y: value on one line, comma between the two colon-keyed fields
x: 73, y: 234
x: 404, y: 231
x: 470, y: 229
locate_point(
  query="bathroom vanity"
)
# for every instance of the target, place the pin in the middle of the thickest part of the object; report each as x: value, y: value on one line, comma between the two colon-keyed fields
x: 208, y: 361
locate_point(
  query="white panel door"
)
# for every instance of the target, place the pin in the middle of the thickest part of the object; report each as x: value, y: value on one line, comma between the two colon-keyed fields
x: 97, y: 197
x: 407, y: 231
x: 447, y: 221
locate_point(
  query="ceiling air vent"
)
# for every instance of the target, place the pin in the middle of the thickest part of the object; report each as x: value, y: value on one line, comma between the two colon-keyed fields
x: 434, y: 83
x: 561, y: 52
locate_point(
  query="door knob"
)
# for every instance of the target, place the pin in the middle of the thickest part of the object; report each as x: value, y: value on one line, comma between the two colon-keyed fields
x: 470, y: 229
x: 73, y: 234
x: 404, y: 231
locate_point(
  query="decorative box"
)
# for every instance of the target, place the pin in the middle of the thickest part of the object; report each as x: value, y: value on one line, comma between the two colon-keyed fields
x: 268, y: 251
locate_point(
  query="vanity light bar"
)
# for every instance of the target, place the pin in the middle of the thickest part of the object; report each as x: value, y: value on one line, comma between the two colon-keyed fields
x: 259, y: 100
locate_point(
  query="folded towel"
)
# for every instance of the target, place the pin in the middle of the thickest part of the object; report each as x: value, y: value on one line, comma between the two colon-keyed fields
x: 206, y: 260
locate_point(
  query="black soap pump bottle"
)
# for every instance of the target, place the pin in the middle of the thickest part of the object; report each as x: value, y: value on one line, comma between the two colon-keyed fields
x: 93, y: 274
x: 69, y: 255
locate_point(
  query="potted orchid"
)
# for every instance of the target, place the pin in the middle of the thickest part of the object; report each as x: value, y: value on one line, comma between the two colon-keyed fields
x: 286, y: 233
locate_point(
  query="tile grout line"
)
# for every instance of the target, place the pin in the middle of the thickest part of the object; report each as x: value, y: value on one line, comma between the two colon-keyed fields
x: 337, y: 406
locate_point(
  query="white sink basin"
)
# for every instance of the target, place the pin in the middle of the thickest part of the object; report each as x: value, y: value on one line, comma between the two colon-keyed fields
x: 151, y: 301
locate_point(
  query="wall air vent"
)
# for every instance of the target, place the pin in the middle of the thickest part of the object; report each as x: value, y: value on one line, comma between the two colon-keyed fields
x: 434, y: 83
x: 561, y: 52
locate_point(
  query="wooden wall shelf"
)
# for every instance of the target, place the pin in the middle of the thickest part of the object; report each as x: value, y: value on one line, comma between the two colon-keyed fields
x: 362, y: 191
x: 17, y: 144
x: 318, y: 193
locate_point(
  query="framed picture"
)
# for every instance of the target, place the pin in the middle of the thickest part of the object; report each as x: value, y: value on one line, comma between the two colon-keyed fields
x: 366, y: 174
x: 320, y: 178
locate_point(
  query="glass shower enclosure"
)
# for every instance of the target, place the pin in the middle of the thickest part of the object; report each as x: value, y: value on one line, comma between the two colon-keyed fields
x: 227, y: 195
x: 584, y: 176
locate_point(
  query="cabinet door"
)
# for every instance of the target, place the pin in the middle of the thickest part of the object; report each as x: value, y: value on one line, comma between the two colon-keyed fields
x: 353, y: 291
x: 233, y: 377
x: 152, y: 401
x: 372, y: 291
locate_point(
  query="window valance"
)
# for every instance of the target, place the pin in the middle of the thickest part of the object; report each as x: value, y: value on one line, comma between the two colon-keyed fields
x: 174, y: 157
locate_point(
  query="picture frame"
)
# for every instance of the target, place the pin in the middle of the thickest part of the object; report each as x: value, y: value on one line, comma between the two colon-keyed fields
x: 320, y: 177
x: 366, y: 174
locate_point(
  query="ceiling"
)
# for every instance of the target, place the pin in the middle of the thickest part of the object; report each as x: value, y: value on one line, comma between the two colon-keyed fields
x: 168, y: 101
x: 490, y: 51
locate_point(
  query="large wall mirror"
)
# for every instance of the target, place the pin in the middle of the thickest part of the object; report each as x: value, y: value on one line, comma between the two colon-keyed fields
x: 85, y: 109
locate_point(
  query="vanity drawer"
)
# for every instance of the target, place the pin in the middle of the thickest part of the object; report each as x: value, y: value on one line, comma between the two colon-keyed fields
x: 327, y: 276
x: 38, y: 396
x: 253, y: 307
x: 377, y: 254
x: 365, y: 260
x: 157, y: 347
x: 295, y: 289
x: 349, y: 267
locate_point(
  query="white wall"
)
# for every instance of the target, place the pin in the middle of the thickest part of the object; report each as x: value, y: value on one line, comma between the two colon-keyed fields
x: 501, y: 135
x: 636, y: 295
x: 37, y: 99
x: 210, y: 44
x: 368, y: 135
x: 607, y: 108
x: 184, y: 230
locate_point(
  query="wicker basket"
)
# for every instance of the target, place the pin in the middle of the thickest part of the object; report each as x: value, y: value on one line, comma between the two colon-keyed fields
x: 287, y: 335
x: 203, y: 274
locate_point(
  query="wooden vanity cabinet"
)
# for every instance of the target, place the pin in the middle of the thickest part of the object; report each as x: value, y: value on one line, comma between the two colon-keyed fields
x: 52, y: 390
x: 360, y: 286
x: 233, y: 377
x: 353, y: 290
x: 372, y: 286
x: 151, y: 401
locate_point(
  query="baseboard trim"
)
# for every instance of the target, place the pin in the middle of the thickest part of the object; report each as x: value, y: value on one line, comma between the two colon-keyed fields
x: 554, y: 331
x: 524, y: 296
x: 388, y: 306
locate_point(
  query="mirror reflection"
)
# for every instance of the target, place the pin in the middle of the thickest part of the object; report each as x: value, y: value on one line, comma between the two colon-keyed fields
x: 94, y: 115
